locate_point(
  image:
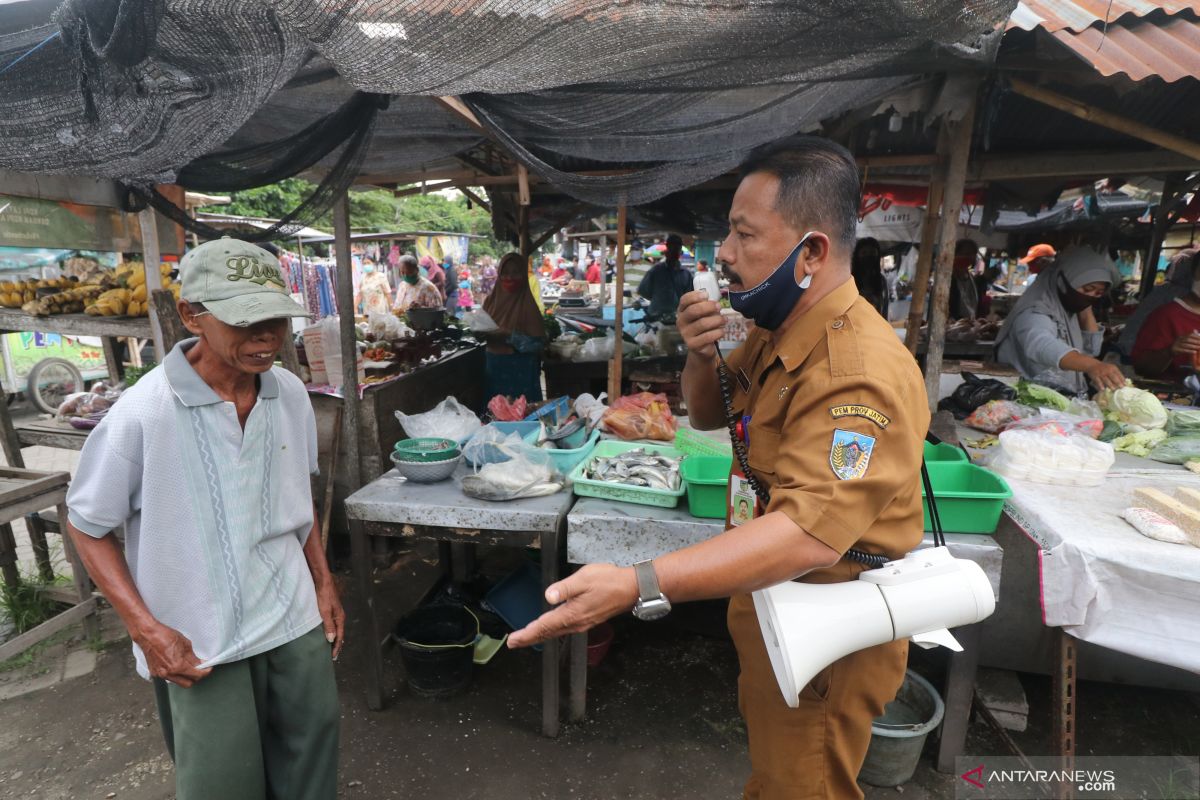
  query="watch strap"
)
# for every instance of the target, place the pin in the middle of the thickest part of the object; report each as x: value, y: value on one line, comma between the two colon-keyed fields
x: 647, y: 580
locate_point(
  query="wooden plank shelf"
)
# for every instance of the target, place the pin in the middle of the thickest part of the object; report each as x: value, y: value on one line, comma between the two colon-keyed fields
x: 50, y: 433
x: 12, y: 319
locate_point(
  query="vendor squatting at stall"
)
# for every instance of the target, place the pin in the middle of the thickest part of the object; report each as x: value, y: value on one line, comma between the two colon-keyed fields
x: 223, y: 585
x: 1170, y: 338
x: 1052, y: 337
x: 1178, y: 283
x: 514, y: 352
x: 838, y: 414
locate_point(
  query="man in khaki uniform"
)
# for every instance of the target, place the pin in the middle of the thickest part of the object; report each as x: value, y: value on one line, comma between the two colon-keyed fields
x: 834, y: 413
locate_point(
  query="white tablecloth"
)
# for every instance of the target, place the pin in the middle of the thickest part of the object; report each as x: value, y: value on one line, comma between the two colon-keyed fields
x: 1101, y: 580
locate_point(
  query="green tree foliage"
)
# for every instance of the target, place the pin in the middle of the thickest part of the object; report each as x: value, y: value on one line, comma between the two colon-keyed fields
x: 376, y: 210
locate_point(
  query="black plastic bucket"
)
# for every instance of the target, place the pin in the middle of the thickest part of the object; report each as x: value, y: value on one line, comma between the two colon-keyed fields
x: 437, y: 646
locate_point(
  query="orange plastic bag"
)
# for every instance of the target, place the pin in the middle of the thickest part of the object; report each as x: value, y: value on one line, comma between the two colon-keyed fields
x: 641, y: 416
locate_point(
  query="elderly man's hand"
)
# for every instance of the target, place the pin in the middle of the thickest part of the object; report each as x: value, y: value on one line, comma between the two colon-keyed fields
x: 332, y: 616
x: 169, y: 656
x: 584, y: 600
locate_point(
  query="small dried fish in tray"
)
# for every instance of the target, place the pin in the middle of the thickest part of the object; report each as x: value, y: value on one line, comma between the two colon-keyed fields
x: 636, y: 467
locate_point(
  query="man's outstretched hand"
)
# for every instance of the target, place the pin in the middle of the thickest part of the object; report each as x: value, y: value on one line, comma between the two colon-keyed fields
x: 582, y: 601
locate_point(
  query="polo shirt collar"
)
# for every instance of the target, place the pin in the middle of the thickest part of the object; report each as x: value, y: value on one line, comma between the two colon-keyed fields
x: 191, y: 389
x: 802, y: 336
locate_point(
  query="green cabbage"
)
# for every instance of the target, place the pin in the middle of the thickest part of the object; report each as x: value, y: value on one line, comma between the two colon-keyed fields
x: 1038, y: 396
x: 1139, y: 444
x: 1134, y: 408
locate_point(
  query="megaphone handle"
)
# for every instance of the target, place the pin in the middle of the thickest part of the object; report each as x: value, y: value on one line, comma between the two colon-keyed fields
x: 725, y: 380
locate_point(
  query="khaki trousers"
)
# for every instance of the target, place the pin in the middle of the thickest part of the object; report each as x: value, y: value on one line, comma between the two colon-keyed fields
x: 812, y: 752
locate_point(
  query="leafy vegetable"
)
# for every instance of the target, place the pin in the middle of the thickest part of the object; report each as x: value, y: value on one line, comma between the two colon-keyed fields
x: 552, y: 326
x: 1110, y: 431
x: 1038, y: 396
x: 1140, y: 443
x: 133, y: 374
x: 1135, y: 408
x: 1177, y: 449
x: 1183, y: 422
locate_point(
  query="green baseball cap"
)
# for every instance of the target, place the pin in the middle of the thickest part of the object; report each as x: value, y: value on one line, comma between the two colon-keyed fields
x: 240, y: 283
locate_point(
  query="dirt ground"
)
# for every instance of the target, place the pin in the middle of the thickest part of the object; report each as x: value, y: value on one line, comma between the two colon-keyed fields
x: 663, y: 723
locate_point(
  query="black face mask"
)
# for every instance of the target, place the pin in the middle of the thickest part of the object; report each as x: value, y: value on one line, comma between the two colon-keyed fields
x: 1074, y: 300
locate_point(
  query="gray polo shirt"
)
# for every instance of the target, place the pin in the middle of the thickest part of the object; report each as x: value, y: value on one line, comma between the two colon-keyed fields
x: 216, y: 517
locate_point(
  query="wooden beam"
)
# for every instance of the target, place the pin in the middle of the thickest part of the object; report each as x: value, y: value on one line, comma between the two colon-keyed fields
x: 424, y: 188
x: 1170, y: 191
x: 66, y: 619
x: 476, y: 199
x: 523, y: 230
x: 958, y: 134
x: 614, y: 375
x: 455, y: 104
x: 1107, y: 119
x: 151, y: 259
x: 69, y: 188
x: 1078, y: 164
x: 930, y: 229
x: 907, y: 160
x: 557, y: 225
x: 522, y: 185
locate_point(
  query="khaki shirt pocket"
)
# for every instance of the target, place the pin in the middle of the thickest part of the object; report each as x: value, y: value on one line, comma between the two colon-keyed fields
x: 764, y: 450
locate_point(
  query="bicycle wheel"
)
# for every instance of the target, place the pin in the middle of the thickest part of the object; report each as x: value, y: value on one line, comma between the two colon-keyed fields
x: 50, y: 381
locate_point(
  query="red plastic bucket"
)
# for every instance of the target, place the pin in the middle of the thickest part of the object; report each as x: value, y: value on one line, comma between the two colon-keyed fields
x: 599, y: 640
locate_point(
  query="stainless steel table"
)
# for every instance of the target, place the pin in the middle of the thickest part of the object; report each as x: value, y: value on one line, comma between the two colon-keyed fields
x: 391, y: 506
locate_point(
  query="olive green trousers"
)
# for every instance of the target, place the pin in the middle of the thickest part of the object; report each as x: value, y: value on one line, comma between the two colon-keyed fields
x: 264, y: 728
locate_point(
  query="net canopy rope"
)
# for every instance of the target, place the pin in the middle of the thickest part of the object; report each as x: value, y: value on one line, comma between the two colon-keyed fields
x: 233, y: 92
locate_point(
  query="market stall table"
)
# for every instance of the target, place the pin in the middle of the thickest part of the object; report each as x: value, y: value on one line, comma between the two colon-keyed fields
x: 601, y: 531
x: 391, y: 506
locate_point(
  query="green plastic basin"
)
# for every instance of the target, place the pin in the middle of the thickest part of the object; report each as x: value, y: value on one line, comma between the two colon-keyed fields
x: 707, y: 479
x: 944, y: 452
x: 970, y: 499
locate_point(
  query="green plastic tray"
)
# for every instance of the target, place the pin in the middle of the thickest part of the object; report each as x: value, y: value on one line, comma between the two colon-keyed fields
x: 642, y: 495
x: 944, y: 452
x: 695, y: 443
x: 707, y: 481
x: 970, y: 499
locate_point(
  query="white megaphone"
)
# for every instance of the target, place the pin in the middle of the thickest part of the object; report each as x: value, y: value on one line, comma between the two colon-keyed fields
x: 808, y: 626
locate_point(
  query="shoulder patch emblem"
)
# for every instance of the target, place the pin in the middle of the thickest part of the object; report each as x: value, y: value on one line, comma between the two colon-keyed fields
x: 850, y: 454
x: 866, y: 412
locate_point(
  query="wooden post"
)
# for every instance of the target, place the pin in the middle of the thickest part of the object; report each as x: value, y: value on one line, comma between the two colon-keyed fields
x: 930, y: 229
x: 523, y: 230
x: 170, y: 327
x: 614, y: 375
x: 151, y: 261
x: 360, y: 552
x: 1162, y: 216
x: 959, y: 137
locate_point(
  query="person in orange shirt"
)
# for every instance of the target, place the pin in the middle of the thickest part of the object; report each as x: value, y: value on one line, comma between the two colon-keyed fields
x: 837, y: 418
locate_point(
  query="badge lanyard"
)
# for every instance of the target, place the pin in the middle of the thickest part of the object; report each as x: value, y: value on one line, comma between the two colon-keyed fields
x: 743, y: 502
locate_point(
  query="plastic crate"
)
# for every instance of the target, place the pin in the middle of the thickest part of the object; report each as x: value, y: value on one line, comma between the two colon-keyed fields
x: 940, y: 453
x: 970, y: 499
x: 566, y: 460
x: 559, y: 407
x: 642, y: 495
x: 707, y: 481
x: 693, y: 443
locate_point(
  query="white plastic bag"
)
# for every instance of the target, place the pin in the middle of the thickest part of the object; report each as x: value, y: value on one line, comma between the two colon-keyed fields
x: 480, y: 322
x: 1046, y: 457
x: 449, y: 419
x: 596, y: 349
x: 591, y: 408
x: 386, y: 327
x: 528, y: 472
x: 490, y: 445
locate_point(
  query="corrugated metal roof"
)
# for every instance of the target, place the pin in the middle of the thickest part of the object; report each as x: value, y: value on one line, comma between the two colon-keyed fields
x: 1076, y: 15
x: 1139, y: 39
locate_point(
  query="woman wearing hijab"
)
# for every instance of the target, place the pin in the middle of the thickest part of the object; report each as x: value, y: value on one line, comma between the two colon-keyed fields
x: 1052, y: 337
x: 514, y: 363
x: 1178, y: 284
x: 867, y: 269
x: 1169, y: 342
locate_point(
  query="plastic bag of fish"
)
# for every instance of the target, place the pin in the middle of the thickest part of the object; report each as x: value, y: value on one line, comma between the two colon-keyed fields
x: 528, y: 472
x: 637, y: 467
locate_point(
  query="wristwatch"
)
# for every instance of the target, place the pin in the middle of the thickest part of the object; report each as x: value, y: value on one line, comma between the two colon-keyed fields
x: 652, y: 603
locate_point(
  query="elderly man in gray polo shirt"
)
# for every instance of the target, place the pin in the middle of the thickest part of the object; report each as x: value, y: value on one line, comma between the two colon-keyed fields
x: 223, y: 584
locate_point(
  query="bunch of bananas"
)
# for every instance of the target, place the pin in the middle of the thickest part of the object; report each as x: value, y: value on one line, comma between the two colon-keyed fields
x: 71, y: 301
x: 14, y: 294
x: 125, y: 302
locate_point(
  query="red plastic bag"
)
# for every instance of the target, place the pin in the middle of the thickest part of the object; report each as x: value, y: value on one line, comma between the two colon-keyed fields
x: 505, y: 411
x: 641, y: 416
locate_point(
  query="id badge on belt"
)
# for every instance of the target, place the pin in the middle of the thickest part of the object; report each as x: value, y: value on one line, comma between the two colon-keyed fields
x: 743, y: 504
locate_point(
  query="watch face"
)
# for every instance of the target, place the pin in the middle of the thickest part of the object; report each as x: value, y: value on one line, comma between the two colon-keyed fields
x: 652, y: 609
